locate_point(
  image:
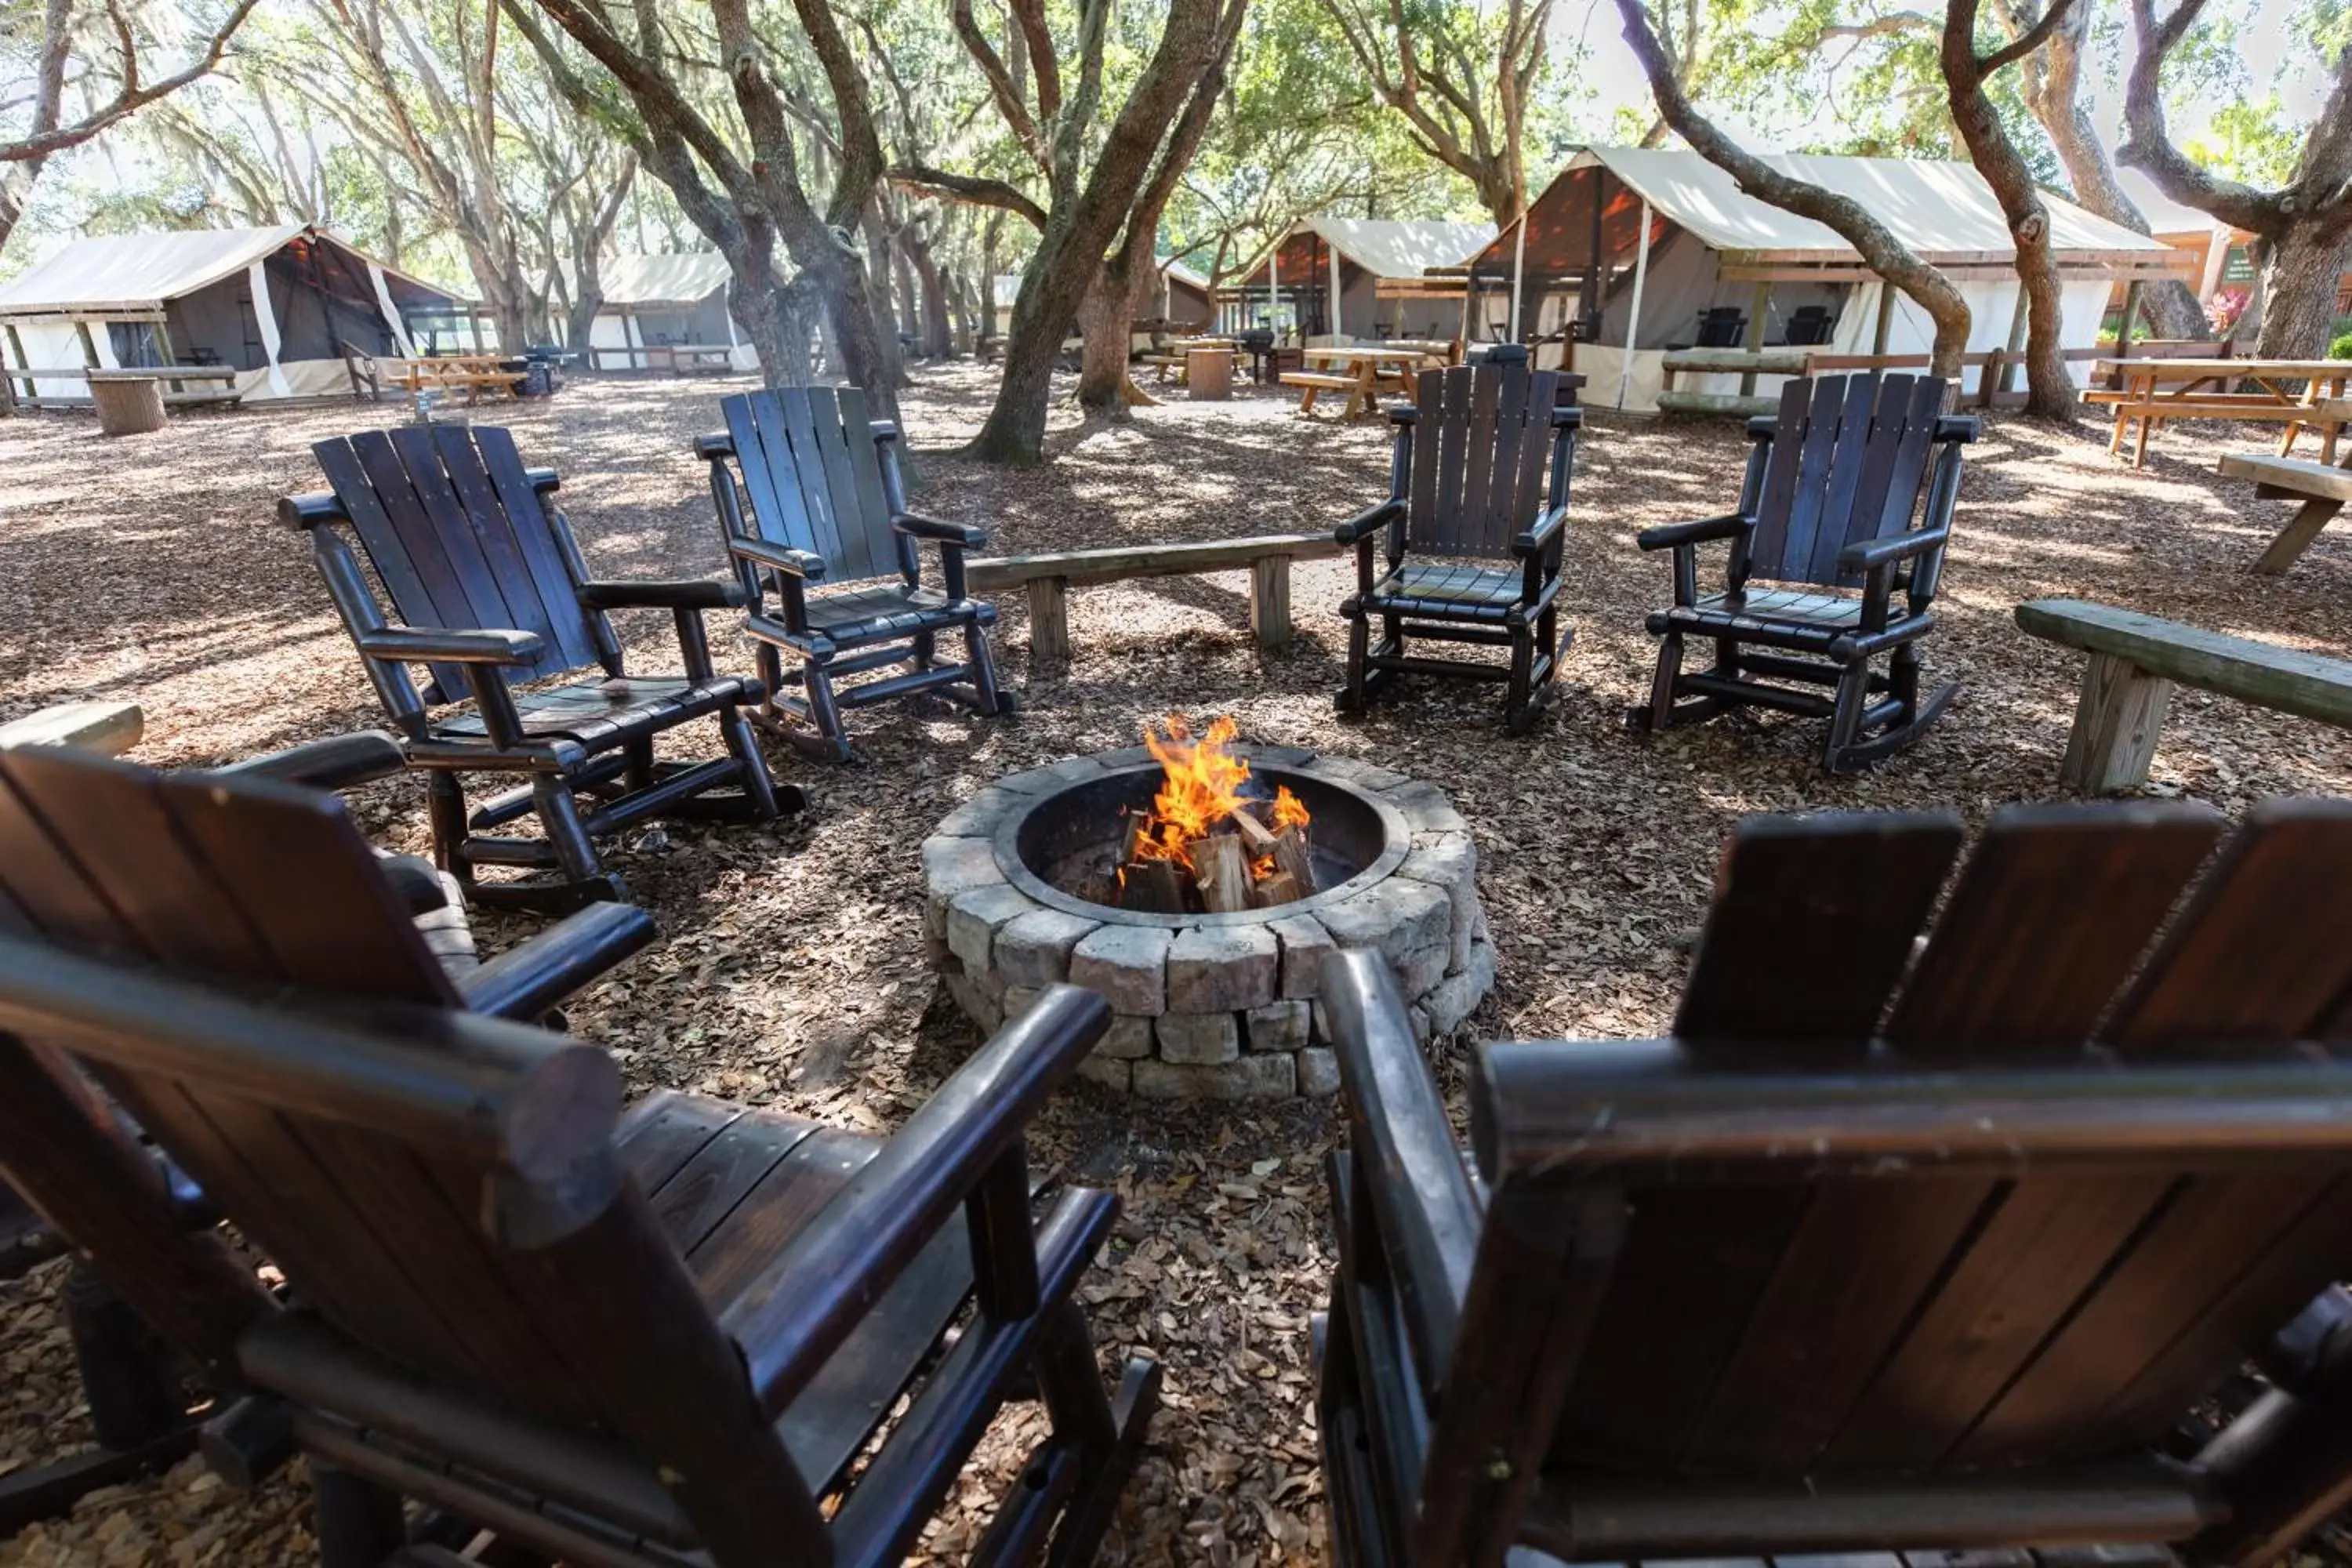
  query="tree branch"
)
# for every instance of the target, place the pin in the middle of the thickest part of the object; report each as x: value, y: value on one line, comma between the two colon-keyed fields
x: 969, y: 188
x: 126, y: 102
x: 2025, y: 43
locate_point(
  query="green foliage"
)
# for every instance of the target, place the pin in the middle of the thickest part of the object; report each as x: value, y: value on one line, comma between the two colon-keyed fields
x: 2257, y: 142
x: 2340, y: 345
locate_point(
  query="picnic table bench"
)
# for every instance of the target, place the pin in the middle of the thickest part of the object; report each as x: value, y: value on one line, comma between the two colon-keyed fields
x: 448, y: 373
x: 1049, y: 577
x: 112, y: 728
x: 2136, y: 661
x: 1362, y: 372
x: 2322, y: 487
x: 2138, y: 396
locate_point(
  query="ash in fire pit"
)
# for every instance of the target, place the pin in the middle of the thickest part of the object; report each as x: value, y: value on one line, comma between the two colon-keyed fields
x: 1198, y: 884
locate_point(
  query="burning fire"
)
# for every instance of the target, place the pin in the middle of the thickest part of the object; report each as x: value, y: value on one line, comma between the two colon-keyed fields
x: 1203, y: 785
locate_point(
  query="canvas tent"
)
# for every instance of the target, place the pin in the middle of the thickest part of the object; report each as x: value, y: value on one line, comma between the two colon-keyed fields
x: 1640, y: 241
x: 1363, y: 277
x: 279, y: 305
x: 655, y: 305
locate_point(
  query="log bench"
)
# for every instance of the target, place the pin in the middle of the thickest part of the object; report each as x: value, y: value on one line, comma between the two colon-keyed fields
x: 112, y: 728
x: 1049, y: 577
x: 2322, y: 487
x: 2136, y: 661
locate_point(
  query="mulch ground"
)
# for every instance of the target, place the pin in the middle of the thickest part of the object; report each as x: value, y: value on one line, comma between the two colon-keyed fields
x: 791, y: 973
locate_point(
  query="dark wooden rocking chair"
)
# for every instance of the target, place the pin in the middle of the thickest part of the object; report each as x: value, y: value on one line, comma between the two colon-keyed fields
x: 649, y: 1338
x: 1774, y: 1286
x: 1470, y: 538
x: 809, y: 497
x: 133, y: 1378
x: 1832, y: 487
x: 483, y: 569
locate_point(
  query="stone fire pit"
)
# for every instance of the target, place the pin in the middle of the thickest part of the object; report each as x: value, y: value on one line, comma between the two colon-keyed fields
x: 1208, y: 1005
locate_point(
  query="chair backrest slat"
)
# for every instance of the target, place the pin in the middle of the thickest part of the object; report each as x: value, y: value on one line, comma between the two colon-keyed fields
x: 461, y: 540
x: 2012, y: 963
x: 1813, y: 923
x: 1849, y: 457
x: 1481, y: 436
x: 1790, y: 1297
x: 813, y: 473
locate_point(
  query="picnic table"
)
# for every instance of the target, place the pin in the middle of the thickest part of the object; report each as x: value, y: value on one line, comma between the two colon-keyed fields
x: 1177, y: 357
x: 1364, y: 372
x: 2151, y: 391
x: 447, y: 372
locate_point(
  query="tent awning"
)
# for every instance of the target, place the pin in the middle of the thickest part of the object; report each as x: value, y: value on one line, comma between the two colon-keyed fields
x: 683, y: 279
x: 140, y: 272
x: 1943, y: 210
x: 1385, y: 247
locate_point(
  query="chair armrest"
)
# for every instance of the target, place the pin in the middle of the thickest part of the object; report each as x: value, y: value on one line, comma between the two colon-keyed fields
x: 311, y: 510
x: 1871, y: 553
x: 1428, y: 1213
x: 777, y: 558
x: 337, y: 762
x: 528, y: 979
x: 1535, y: 538
x: 415, y: 643
x: 1674, y: 535
x: 1961, y: 427
x: 1367, y: 521
x: 813, y: 1292
x: 914, y: 525
x: 714, y: 446
x: 694, y: 594
x: 542, y: 480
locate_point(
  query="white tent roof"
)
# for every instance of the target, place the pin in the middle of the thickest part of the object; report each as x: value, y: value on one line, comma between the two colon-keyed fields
x: 1389, y: 248
x: 686, y: 279
x: 1185, y: 275
x: 2164, y: 214
x: 140, y: 271
x: 1944, y: 211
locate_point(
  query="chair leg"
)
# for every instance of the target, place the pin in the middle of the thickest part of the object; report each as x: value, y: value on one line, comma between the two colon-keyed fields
x: 822, y: 711
x: 1660, y: 713
x: 1107, y: 1436
x: 1354, y: 698
x: 992, y: 700
x: 359, y: 1523
x: 585, y: 879
x: 639, y: 763
x: 445, y: 803
x: 765, y: 798
x: 1518, y: 710
x: 1845, y: 716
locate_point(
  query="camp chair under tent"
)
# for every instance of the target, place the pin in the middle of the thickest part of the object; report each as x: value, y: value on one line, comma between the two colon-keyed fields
x: 1470, y: 538
x: 133, y: 1378
x: 648, y: 1338
x: 1834, y: 486
x: 810, y: 501
x: 1773, y: 1285
x: 482, y: 570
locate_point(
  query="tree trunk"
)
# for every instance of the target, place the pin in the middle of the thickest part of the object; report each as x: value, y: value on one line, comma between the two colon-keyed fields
x: 581, y: 324
x: 2299, y: 283
x: 882, y: 325
x: 1016, y: 429
x: 757, y: 304
x: 2052, y: 84
x: 938, y: 333
x: 1107, y: 320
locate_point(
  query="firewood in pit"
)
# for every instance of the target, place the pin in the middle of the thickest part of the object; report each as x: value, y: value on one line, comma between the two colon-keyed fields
x: 1154, y: 887
x: 1294, y: 859
x: 1221, y: 870
x: 1255, y: 834
x: 1282, y: 887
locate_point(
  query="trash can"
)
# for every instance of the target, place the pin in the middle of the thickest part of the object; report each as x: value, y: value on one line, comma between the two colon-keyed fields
x: 127, y: 404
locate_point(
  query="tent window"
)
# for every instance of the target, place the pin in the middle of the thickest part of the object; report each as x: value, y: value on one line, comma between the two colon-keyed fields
x: 136, y: 344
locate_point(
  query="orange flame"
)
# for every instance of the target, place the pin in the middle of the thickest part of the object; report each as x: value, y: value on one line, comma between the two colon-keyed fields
x: 1202, y: 783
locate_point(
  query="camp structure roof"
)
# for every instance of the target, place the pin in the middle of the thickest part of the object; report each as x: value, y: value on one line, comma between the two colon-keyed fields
x: 1944, y: 211
x: 132, y: 273
x: 1385, y: 247
x: 686, y: 278
x: 1179, y: 273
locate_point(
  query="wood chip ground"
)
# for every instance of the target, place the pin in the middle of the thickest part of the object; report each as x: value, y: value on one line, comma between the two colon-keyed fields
x: 791, y: 971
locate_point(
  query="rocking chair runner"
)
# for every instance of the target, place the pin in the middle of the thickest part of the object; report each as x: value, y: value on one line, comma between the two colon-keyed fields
x: 1831, y: 489
x: 484, y: 574
x: 1773, y: 1286
x: 808, y: 493
x: 1472, y: 456
x: 647, y: 1340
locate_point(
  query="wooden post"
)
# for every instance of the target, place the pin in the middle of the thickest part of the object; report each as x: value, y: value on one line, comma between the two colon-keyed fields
x: 1049, y: 621
x: 1759, y: 303
x: 2131, y: 313
x: 2116, y: 721
x: 1270, y: 600
x: 2007, y: 361
x: 1885, y: 318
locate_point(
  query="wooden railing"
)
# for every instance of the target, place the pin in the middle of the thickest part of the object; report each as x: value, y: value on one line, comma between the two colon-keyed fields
x: 1049, y: 578
x: 1996, y: 371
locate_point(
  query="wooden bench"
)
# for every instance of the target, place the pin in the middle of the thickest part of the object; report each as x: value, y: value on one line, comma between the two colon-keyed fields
x: 2322, y: 487
x: 1317, y: 383
x: 2136, y: 661
x: 112, y: 728
x: 1049, y: 578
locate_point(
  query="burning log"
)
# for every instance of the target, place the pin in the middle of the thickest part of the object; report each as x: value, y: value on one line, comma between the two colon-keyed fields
x: 1221, y: 870
x: 1294, y: 859
x: 1255, y: 836
x: 1154, y: 887
x: 1282, y: 887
